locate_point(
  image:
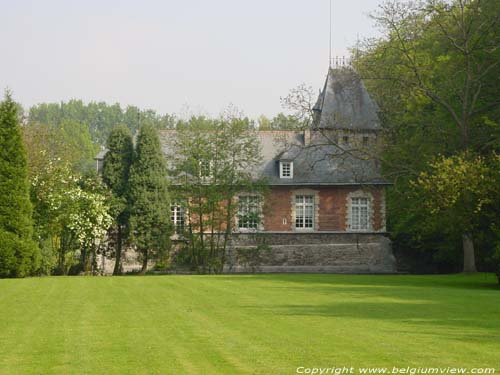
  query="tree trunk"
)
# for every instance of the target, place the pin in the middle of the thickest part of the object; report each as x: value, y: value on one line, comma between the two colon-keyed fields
x: 144, y: 262
x: 468, y: 246
x: 118, y: 258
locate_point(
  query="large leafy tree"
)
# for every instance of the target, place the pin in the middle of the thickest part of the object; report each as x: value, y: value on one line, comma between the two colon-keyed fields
x: 460, y: 188
x: 71, y: 215
x: 149, y: 198
x: 70, y: 142
x: 59, y: 155
x: 115, y: 174
x: 434, y: 76
x: 18, y: 253
x: 213, y: 162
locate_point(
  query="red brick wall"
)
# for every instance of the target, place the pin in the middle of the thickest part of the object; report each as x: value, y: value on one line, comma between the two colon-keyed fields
x: 379, y: 208
x: 278, y: 206
x: 332, y: 208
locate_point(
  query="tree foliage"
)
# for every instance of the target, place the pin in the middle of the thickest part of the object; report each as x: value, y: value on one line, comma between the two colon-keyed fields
x: 115, y: 174
x: 434, y: 75
x: 99, y: 118
x: 212, y: 163
x: 18, y: 252
x: 459, y: 187
x: 283, y: 122
x: 149, y: 198
x: 71, y: 216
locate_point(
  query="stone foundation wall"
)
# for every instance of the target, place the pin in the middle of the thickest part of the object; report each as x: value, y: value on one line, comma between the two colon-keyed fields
x: 289, y: 252
x: 311, y: 252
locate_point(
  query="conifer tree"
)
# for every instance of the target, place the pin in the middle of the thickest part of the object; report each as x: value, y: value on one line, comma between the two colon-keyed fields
x: 150, y: 206
x: 115, y: 173
x: 18, y: 253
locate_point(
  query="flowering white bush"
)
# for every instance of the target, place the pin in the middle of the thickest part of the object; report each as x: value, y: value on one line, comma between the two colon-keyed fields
x: 73, y: 211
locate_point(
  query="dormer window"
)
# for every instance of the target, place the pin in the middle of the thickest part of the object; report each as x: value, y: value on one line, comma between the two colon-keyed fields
x: 286, y: 169
x: 205, y: 169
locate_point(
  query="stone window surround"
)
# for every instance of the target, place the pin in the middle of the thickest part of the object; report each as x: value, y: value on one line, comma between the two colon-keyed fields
x: 371, y: 217
x: 315, y: 194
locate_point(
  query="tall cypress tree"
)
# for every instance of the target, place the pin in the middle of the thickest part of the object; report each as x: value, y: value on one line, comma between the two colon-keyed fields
x: 115, y: 173
x: 148, y: 188
x: 18, y: 252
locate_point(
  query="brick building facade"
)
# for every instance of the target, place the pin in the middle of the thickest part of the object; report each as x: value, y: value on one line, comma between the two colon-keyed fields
x: 325, y: 207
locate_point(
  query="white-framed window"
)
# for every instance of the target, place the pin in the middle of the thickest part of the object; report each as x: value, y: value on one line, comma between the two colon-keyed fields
x: 360, y: 213
x: 177, y: 217
x: 304, y: 211
x: 248, y: 211
x: 286, y: 169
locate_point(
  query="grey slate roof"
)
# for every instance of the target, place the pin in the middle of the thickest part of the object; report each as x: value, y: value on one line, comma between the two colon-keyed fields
x: 345, y: 103
x: 314, y: 163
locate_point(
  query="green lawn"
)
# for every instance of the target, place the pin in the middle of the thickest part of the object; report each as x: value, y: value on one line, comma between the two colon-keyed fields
x: 251, y: 324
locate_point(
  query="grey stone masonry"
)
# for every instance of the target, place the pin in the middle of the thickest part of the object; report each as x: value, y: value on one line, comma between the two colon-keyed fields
x: 311, y: 252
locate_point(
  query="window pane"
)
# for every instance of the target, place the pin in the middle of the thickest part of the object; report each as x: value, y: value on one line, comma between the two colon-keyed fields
x: 177, y: 217
x: 304, y: 211
x: 286, y: 169
x: 248, y: 212
x: 359, y: 213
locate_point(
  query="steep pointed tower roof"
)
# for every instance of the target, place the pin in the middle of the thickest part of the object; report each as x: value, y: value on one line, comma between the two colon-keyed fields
x: 344, y: 103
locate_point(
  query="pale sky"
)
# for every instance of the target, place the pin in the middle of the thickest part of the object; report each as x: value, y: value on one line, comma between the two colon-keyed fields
x: 168, y: 55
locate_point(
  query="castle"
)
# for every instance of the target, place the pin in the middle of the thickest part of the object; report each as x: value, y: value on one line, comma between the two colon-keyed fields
x: 325, y: 210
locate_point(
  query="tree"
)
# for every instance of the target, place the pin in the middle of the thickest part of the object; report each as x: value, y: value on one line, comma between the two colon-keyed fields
x: 149, y: 199
x: 99, y: 118
x: 70, y: 142
x: 72, y: 215
x: 58, y: 156
x: 18, y: 252
x: 433, y: 74
x: 212, y: 162
x: 458, y: 187
x: 90, y: 220
x: 115, y: 173
x: 283, y: 122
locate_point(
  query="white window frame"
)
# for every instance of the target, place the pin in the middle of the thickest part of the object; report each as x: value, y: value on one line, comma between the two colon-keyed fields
x: 360, y: 214
x: 257, y: 205
x: 177, y: 217
x: 304, y: 203
x: 289, y: 163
